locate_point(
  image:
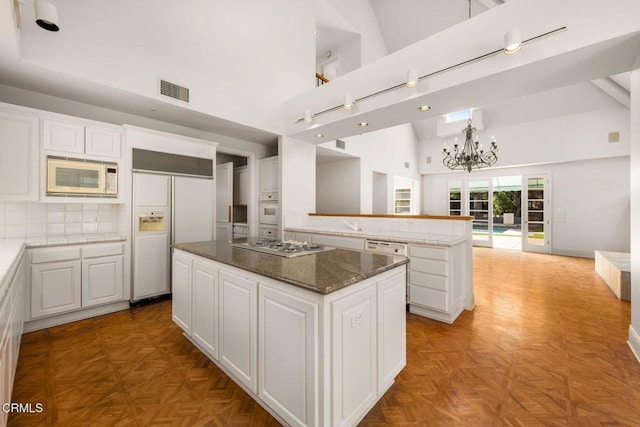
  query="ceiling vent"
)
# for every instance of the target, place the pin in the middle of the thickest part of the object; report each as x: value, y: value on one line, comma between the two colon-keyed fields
x: 174, y: 91
x: 340, y: 144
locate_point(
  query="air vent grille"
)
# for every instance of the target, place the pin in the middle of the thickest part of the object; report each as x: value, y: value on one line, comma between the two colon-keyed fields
x: 340, y: 144
x: 173, y: 90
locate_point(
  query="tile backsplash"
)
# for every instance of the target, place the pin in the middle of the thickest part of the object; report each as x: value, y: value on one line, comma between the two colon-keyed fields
x: 26, y: 219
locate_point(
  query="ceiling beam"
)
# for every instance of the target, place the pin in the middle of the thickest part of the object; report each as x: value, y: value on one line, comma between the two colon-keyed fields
x: 614, y: 90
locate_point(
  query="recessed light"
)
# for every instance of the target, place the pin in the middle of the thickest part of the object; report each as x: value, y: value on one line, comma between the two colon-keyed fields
x: 363, y: 124
x: 424, y: 107
x: 319, y: 135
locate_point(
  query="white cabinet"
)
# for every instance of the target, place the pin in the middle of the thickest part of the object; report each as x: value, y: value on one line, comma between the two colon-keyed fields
x: 19, y: 139
x: 204, y: 329
x: 72, y: 277
x: 314, y: 360
x: 436, y: 281
x: 78, y: 138
x: 241, y: 185
x: 181, y: 291
x: 269, y: 175
x: 102, y: 278
x: 288, y: 355
x: 55, y: 287
x: 239, y: 328
x: 354, y: 361
x: 11, y: 326
x: 392, y: 339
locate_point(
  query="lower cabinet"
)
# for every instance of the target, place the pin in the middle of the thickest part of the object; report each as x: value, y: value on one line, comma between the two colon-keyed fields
x: 239, y: 328
x: 69, y: 278
x: 205, y: 301
x: 312, y: 359
x: 55, y: 287
x: 354, y: 362
x: 181, y: 304
x: 436, y: 281
x: 288, y: 355
x: 11, y: 326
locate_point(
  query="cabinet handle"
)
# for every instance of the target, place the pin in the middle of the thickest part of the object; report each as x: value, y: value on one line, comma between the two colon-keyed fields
x: 229, y: 214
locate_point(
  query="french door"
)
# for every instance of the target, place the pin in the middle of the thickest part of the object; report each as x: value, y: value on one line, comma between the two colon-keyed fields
x: 480, y: 197
x: 536, y: 201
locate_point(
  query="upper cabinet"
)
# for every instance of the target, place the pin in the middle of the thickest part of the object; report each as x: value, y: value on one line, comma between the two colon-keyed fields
x: 269, y: 175
x: 18, y: 156
x: 241, y: 185
x: 71, y: 137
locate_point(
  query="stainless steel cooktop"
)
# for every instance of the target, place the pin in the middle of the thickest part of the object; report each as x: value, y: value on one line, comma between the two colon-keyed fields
x: 286, y: 249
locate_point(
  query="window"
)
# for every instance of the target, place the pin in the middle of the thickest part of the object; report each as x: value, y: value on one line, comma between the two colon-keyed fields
x: 402, y: 201
x: 457, y: 116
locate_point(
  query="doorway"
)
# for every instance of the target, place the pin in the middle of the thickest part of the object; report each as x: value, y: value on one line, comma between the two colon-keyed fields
x: 380, y: 193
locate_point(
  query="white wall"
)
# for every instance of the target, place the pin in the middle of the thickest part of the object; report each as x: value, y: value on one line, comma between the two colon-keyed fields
x: 634, y: 328
x: 298, y: 180
x: 361, y: 15
x: 594, y: 195
x: 349, y: 53
x: 559, y: 139
x: 383, y: 151
x: 338, y: 186
x: 241, y: 60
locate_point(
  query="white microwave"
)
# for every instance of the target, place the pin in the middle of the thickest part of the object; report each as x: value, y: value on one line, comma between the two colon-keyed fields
x: 76, y: 177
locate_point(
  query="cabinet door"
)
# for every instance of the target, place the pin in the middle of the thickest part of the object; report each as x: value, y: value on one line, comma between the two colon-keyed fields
x: 354, y: 359
x: 269, y: 175
x: 181, y: 289
x: 288, y: 352
x: 238, y: 328
x: 102, y: 142
x: 102, y: 280
x: 205, y: 307
x: 392, y: 317
x: 55, y: 288
x: 19, y: 141
x: 62, y: 136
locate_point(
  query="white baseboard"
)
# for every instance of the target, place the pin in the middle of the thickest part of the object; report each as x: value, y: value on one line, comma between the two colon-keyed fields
x: 573, y: 253
x: 48, y: 322
x: 634, y: 342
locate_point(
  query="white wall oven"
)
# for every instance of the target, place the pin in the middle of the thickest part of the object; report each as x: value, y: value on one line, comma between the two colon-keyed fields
x: 269, y: 213
x: 67, y: 176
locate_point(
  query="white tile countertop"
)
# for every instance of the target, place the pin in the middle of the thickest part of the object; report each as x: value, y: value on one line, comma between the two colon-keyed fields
x: 11, y: 250
x: 415, y: 238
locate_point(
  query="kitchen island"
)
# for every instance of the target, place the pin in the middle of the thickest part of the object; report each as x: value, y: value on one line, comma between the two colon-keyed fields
x: 315, y: 339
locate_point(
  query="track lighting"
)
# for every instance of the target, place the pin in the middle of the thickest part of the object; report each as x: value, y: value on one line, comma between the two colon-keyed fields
x: 412, y: 77
x: 512, y: 41
x: 308, y: 118
x: 348, y: 102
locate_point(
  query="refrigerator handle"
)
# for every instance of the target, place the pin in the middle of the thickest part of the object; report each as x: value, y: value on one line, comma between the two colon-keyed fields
x: 229, y: 214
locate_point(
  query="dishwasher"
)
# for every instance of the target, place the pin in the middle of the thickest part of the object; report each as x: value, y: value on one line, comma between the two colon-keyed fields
x: 389, y: 248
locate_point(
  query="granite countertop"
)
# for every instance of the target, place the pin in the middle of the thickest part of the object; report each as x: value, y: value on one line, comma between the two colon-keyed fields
x: 428, y: 239
x: 322, y: 272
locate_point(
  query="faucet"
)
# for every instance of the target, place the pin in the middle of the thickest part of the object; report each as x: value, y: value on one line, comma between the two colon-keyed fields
x: 353, y: 227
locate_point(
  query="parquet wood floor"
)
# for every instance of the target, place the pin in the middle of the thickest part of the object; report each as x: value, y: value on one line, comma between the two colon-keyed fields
x: 545, y: 346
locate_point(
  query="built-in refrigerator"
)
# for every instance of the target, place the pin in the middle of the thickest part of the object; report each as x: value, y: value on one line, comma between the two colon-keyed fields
x: 167, y: 209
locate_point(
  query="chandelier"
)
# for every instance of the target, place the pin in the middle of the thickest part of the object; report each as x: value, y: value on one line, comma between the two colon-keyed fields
x: 472, y: 155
